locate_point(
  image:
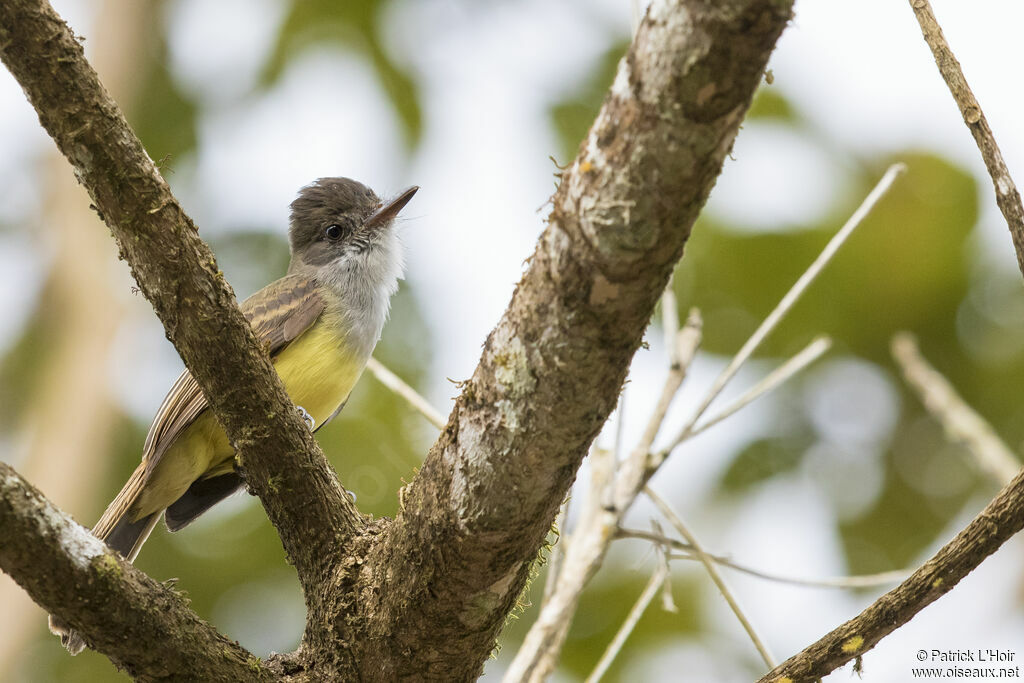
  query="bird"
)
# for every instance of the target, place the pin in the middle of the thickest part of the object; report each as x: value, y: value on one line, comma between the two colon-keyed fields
x: 319, y: 323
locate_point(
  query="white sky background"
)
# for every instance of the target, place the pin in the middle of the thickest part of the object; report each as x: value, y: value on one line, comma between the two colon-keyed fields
x: 857, y: 68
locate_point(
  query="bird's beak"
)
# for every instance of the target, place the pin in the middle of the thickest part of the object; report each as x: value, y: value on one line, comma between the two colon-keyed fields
x: 386, y: 213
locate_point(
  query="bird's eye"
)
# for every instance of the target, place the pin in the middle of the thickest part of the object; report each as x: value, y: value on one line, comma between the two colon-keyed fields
x: 334, y: 232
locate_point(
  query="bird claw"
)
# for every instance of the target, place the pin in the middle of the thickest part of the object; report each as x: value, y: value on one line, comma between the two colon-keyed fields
x: 304, y: 414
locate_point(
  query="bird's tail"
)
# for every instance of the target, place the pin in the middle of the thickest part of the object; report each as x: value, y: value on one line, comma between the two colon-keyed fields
x: 119, y: 532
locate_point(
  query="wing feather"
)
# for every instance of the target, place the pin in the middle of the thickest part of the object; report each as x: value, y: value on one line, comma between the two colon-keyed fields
x: 279, y: 313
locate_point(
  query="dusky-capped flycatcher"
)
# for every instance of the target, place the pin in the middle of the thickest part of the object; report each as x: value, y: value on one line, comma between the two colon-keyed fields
x: 319, y: 322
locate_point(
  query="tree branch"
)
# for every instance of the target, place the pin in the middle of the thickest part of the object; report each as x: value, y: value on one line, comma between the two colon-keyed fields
x: 460, y: 550
x: 176, y: 271
x: 1001, y: 519
x: 1007, y: 196
x: 144, y: 627
x: 962, y: 424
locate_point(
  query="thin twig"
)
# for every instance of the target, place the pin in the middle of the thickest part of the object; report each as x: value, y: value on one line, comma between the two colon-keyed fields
x: 858, y: 581
x: 683, y: 349
x: 776, y: 377
x: 670, y: 320
x: 1007, y: 196
x: 961, y: 423
x: 598, y: 523
x: 650, y: 590
x: 668, y: 603
x: 787, y: 302
x: 713, y: 572
x: 620, y: 423
x: 596, y: 528
x: 395, y: 384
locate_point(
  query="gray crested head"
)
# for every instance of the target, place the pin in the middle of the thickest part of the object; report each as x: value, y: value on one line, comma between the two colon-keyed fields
x: 341, y: 233
x: 339, y: 218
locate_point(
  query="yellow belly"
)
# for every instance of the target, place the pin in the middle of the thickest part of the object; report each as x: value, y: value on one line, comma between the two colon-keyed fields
x: 318, y: 372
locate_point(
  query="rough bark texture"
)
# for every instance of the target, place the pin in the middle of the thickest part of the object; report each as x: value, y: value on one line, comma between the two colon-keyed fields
x: 424, y: 597
x: 177, y: 272
x: 451, y: 566
x: 147, y: 629
x: 1007, y: 195
x: 1001, y: 519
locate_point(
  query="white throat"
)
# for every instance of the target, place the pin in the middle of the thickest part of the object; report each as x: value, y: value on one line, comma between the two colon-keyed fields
x: 363, y: 283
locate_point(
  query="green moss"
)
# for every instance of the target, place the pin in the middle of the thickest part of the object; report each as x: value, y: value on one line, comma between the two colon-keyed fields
x: 106, y: 565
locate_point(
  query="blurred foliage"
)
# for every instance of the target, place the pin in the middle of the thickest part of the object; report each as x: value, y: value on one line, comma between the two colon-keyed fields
x: 355, y: 26
x: 770, y: 105
x: 164, y: 117
x: 761, y: 460
x: 20, y: 365
x: 572, y: 116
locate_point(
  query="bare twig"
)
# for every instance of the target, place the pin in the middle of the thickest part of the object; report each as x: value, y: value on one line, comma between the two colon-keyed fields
x: 787, y: 302
x: 670, y: 320
x: 713, y: 572
x: 598, y: 524
x: 399, y: 387
x: 1007, y: 196
x: 812, y: 352
x: 961, y: 423
x: 650, y: 590
x: 687, y: 553
x: 596, y: 529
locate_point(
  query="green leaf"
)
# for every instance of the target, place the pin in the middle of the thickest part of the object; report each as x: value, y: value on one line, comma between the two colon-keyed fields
x: 762, y: 460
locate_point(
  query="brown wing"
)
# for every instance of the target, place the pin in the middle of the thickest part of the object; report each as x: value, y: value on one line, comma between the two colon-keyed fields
x: 278, y: 313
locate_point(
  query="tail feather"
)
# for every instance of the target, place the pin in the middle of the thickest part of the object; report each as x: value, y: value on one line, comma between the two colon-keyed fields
x: 120, y: 533
x: 202, y: 495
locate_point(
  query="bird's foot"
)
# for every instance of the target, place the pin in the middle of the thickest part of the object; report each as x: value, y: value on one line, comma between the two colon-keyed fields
x: 304, y: 414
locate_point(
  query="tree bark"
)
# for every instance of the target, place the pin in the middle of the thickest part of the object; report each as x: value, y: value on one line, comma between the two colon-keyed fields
x: 998, y: 522
x: 176, y: 271
x: 145, y: 628
x: 458, y: 554
x: 425, y: 596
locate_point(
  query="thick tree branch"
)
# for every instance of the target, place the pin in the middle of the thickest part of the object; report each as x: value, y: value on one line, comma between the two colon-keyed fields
x: 1001, y: 519
x: 144, y: 627
x: 176, y: 271
x: 457, y: 556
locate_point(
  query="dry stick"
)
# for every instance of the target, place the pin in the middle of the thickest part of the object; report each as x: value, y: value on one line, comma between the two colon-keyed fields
x: 783, y: 307
x: 812, y: 352
x: 1000, y: 520
x: 1007, y: 196
x: 713, y: 572
x: 962, y: 424
x: 590, y: 543
x: 859, y: 581
x: 660, y: 579
x: 395, y: 384
x: 670, y: 320
x: 650, y: 590
x: 540, y: 650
